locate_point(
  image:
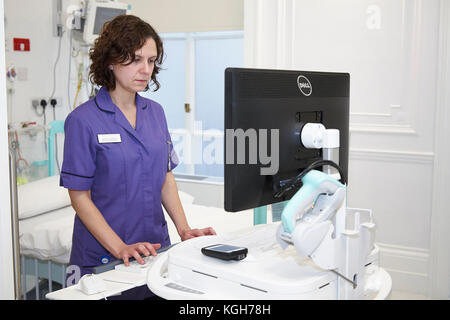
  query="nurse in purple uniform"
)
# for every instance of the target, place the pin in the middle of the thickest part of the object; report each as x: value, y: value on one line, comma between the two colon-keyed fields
x: 118, y: 154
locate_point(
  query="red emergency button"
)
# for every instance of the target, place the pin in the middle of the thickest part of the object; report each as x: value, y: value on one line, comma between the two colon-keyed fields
x: 21, y: 44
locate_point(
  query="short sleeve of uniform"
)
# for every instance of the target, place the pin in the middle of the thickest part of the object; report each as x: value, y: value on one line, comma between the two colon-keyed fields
x: 173, y: 157
x: 78, y: 168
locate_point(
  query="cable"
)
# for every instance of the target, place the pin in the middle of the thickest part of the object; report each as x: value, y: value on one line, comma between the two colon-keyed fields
x: 56, y: 154
x: 53, y: 102
x: 54, y: 67
x: 70, y: 68
x: 86, y: 81
x: 54, y: 112
x: 40, y: 114
x: 19, y: 154
x: 44, y: 105
x: 80, y: 82
x: 287, y: 185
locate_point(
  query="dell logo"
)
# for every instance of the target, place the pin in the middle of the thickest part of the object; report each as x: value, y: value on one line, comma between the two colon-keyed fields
x: 304, y: 85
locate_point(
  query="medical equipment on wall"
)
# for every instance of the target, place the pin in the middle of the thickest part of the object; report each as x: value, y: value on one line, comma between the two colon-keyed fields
x: 87, y: 18
x: 11, y: 75
x: 27, y: 139
x: 84, y: 22
x: 36, y: 148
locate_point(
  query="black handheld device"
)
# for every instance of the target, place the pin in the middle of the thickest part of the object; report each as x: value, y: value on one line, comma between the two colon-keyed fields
x: 225, y: 252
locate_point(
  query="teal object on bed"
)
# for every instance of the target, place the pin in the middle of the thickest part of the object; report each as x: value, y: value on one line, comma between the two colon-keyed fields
x: 56, y: 126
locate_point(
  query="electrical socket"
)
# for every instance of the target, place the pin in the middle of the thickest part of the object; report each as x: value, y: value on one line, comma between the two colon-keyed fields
x: 58, y: 102
x: 36, y: 102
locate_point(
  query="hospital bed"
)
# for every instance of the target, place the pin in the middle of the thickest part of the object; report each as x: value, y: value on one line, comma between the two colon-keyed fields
x: 46, y: 224
x: 46, y: 220
x: 44, y: 214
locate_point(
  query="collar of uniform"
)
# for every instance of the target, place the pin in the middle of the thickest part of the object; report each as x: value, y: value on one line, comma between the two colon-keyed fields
x: 105, y: 102
x: 140, y: 102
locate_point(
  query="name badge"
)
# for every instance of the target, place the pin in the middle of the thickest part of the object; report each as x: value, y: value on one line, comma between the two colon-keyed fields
x: 109, y: 138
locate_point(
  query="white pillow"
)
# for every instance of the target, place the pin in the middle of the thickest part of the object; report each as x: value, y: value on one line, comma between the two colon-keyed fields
x: 41, y: 196
x: 45, y: 195
x: 185, y: 197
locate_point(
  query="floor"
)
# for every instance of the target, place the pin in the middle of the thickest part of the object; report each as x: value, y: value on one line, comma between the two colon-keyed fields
x: 401, y: 295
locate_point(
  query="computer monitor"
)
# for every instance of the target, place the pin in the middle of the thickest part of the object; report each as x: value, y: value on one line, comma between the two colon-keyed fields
x: 263, y: 106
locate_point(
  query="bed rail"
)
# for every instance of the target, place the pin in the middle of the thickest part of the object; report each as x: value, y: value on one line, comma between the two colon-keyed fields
x: 40, y: 277
x: 15, y: 220
x: 29, y: 268
x: 56, y: 126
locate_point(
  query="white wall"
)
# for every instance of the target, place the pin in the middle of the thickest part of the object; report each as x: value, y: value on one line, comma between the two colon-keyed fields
x: 440, y: 222
x: 6, y: 271
x: 34, y: 20
x: 190, y: 16
x: 391, y: 50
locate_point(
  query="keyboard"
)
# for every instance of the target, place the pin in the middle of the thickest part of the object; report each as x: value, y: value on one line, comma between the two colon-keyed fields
x: 113, y: 264
x: 136, y: 267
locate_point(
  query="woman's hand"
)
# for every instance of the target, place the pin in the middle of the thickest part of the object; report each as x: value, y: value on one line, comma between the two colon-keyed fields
x: 172, y: 204
x: 192, y: 233
x: 135, y: 250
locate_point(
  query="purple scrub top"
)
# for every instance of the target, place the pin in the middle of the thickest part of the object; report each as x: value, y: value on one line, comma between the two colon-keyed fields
x: 124, y: 171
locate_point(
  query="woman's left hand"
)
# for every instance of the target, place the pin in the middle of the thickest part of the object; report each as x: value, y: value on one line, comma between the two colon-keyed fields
x: 193, y: 233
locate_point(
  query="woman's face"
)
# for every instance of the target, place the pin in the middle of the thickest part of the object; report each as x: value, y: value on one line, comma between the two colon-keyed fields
x: 135, y: 76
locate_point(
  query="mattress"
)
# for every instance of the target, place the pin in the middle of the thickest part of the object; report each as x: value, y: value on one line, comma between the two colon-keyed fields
x: 48, y: 236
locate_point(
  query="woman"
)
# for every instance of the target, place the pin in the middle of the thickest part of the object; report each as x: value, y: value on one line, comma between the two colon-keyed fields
x: 118, y: 154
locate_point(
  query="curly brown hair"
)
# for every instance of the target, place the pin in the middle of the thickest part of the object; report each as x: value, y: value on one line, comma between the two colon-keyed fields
x: 119, y: 39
